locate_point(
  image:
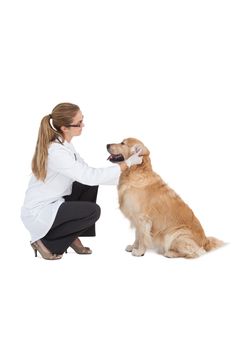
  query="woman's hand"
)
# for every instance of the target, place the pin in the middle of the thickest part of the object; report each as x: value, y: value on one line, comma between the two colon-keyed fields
x: 132, y: 160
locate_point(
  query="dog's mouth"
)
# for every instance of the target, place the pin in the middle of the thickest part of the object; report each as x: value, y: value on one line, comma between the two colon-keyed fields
x: 116, y: 158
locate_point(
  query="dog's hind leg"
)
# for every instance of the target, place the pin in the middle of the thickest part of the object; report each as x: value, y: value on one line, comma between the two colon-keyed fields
x: 143, y: 235
x: 184, y: 246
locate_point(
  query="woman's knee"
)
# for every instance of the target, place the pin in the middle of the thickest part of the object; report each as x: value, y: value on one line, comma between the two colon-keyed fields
x: 92, y: 211
x: 97, y: 211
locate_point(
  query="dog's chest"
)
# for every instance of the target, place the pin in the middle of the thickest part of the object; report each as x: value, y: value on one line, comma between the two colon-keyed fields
x: 128, y: 202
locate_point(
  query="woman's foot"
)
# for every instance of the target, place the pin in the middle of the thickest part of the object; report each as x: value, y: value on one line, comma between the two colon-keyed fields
x: 79, y: 248
x: 44, y: 252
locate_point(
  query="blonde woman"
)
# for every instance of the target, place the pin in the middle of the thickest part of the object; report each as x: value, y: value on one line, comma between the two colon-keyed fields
x: 60, y: 201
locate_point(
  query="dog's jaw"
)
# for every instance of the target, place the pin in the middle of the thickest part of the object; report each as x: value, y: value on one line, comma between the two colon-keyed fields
x: 116, y: 158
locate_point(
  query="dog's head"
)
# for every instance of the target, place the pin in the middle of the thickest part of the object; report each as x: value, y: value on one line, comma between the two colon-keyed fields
x: 122, y: 151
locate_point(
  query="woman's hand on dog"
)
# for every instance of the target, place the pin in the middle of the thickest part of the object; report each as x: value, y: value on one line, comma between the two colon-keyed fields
x: 135, y: 159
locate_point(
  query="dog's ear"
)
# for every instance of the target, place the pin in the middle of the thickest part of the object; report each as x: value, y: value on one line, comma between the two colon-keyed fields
x: 144, y: 150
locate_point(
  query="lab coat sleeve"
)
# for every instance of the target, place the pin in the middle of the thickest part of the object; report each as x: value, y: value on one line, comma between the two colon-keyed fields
x: 63, y: 161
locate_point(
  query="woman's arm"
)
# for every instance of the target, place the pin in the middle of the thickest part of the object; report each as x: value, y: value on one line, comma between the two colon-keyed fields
x: 61, y: 160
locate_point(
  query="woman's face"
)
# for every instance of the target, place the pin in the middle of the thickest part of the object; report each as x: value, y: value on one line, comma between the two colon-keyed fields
x: 75, y: 128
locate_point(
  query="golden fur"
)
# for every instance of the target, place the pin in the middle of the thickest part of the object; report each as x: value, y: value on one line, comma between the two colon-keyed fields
x: 160, y: 217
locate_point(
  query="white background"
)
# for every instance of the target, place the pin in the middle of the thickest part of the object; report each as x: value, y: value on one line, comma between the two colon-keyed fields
x: 160, y: 71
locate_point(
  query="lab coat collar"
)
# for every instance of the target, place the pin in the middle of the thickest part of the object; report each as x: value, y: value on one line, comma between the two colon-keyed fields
x: 68, y: 145
x: 64, y: 143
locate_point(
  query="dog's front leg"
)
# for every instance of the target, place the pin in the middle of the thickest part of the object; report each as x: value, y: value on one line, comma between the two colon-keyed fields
x: 143, y: 229
x: 130, y: 247
x: 140, y: 249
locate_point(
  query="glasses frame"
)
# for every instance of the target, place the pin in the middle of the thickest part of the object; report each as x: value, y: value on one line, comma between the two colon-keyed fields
x: 75, y: 125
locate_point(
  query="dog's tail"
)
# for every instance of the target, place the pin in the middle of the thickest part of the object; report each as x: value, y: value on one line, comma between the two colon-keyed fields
x: 212, y: 243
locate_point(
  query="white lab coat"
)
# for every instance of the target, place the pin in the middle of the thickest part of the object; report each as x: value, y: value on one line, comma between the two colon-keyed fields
x: 43, y: 198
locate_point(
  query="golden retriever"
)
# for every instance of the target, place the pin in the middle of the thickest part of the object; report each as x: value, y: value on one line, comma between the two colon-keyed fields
x: 160, y: 217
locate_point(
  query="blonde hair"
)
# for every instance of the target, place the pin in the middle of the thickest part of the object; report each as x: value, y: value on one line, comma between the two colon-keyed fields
x: 49, y: 131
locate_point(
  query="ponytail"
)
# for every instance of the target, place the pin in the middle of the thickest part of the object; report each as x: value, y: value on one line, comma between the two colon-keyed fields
x: 47, y: 134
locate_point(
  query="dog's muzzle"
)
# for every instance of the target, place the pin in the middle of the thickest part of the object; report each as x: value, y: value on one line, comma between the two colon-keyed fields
x: 115, y: 158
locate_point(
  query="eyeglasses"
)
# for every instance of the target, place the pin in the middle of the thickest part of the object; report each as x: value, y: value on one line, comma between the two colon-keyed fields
x: 75, y: 125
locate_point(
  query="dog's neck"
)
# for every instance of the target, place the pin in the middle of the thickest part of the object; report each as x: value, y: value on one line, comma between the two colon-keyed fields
x: 136, y: 176
x: 146, y: 164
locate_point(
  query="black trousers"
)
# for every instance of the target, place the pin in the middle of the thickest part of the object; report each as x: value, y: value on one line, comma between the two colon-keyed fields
x: 75, y: 217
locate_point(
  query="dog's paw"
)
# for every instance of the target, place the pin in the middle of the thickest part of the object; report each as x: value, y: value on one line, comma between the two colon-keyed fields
x: 138, y: 252
x: 129, y: 248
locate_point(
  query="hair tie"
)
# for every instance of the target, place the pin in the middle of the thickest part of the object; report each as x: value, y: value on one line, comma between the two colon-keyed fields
x: 51, y: 122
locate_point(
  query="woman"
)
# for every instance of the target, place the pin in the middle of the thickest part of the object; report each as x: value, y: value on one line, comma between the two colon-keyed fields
x: 60, y: 202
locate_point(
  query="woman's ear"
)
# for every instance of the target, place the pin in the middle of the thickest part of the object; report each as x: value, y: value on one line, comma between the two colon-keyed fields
x: 64, y: 129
